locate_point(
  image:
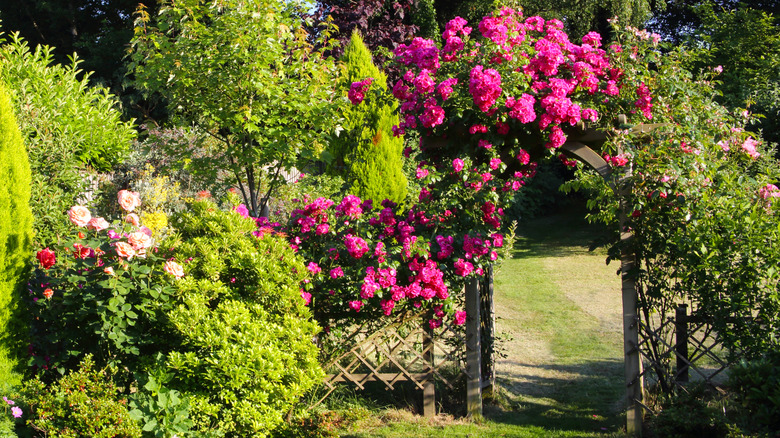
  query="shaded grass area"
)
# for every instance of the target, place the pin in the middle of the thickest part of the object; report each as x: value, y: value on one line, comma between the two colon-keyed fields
x: 562, y: 374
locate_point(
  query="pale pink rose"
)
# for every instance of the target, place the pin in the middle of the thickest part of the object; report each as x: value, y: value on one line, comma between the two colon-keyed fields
x: 79, y: 215
x: 139, y: 240
x: 124, y: 249
x: 109, y: 271
x: 132, y: 218
x: 128, y: 200
x: 97, y: 224
x: 174, y: 269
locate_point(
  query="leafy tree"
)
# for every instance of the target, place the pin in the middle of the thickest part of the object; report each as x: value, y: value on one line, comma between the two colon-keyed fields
x: 245, y: 74
x: 15, y: 234
x: 678, y: 20
x: 383, y: 24
x: 745, y: 44
x: 98, y: 31
x: 580, y: 17
x: 369, y: 151
x: 69, y: 127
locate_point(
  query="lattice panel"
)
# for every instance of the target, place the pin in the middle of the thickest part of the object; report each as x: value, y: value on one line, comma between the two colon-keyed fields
x: 671, y: 359
x: 401, y: 352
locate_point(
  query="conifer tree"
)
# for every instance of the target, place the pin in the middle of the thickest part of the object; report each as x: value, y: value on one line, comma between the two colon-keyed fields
x: 367, y: 154
x: 15, y: 233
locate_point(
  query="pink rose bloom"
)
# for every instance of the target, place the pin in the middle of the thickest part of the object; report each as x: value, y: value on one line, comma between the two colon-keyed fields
x: 460, y: 317
x: 79, y: 215
x: 494, y: 163
x: 457, y: 164
x: 124, y: 250
x: 109, y: 271
x: 306, y: 297
x: 173, y: 268
x: 139, y: 240
x: 16, y: 412
x: 314, y: 268
x: 336, y: 272
x: 128, y: 200
x: 749, y: 146
x: 356, y: 305
x: 132, y: 218
x: 97, y: 224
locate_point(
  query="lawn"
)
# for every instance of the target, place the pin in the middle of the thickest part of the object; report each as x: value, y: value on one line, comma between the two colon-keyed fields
x: 558, y: 310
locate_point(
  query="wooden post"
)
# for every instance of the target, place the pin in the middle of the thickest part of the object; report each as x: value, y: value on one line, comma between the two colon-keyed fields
x: 473, y: 351
x: 633, y: 358
x: 488, y: 334
x: 429, y: 390
x: 681, y: 344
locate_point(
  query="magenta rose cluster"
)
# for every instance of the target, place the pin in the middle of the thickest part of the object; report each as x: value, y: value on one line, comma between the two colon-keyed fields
x: 368, y: 262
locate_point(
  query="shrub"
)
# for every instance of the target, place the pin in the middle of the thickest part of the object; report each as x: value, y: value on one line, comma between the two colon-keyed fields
x: 367, y: 150
x: 227, y: 327
x: 15, y: 236
x: 695, y: 411
x: 83, y: 404
x: 68, y: 128
x: 756, y: 385
x: 244, y: 349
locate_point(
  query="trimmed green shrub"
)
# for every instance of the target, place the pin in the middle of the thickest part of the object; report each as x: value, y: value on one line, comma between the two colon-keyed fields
x: 367, y: 153
x: 15, y: 237
x: 243, y: 347
x: 70, y: 130
x: 83, y: 404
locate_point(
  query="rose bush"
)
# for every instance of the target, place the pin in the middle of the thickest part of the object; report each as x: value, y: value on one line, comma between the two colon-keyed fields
x: 487, y: 106
x: 698, y: 195
x: 214, y: 314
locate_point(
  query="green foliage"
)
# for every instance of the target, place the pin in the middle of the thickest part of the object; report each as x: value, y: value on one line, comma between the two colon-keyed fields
x: 83, y: 404
x: 15, y: 237
x: 700, y: 201
x: 103, y: 304
x: 223, y: 346
x: 425, y: 19
x: 756, y: 385
x: 244, y: 349
x: 245, y: 74
x: 68, y: 127
x: 695, y: 411
x: 162, y: 412
x: 367, y: 148
x: 745, y: 43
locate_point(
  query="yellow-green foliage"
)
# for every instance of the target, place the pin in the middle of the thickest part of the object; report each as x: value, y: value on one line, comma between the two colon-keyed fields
x: 15, y: 232
x: 161, y: 196
x: 367, y: 152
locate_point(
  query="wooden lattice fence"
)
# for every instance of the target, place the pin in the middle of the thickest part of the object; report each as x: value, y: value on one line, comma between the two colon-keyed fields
x: 682, y: 348
x: 407, y: 350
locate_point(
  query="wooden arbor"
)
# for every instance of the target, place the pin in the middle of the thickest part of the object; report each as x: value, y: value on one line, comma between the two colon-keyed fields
x: 401, y: 355
x: 576, y: 147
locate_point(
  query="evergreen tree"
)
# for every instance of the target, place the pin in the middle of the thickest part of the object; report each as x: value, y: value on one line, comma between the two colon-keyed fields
x: 15, y: 234
x: 367, y: 153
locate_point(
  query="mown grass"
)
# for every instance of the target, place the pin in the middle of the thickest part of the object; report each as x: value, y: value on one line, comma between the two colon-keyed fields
x: 575, y: 391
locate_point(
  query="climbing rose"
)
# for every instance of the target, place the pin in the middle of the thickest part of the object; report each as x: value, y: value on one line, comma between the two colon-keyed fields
x: 460, y: 317
x: 357, y: 91
x: 457, y: 164
x: 48, y: 293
